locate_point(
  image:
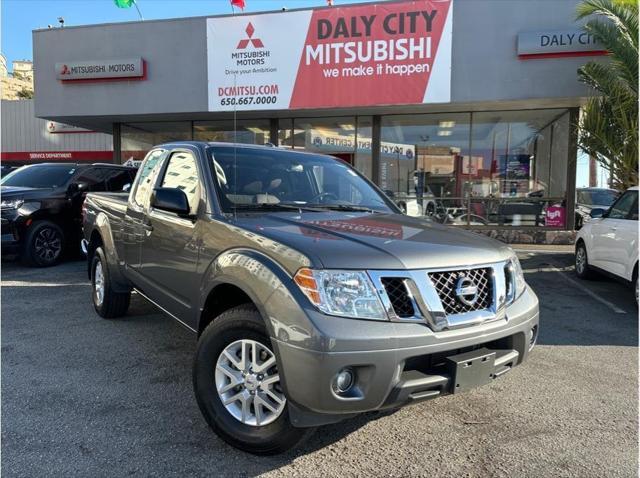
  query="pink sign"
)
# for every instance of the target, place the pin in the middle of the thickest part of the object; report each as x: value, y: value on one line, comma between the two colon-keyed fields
x: 555, y: 216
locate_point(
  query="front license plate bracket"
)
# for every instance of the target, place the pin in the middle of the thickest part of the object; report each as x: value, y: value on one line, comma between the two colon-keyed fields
x: 471, y: 369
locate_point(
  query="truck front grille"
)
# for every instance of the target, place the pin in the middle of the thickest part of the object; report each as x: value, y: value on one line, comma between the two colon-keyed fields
x: 446, y: 283
x: 399, y: 297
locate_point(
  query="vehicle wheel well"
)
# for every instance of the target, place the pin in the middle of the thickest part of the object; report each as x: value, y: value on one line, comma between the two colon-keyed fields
x: 634, y: 274
x: 580, y: 241
x: 223, y: 297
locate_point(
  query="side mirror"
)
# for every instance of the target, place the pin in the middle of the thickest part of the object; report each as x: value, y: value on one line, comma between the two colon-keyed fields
x: 76, y: 188
x: 171, y: 200
x: 597, y: 212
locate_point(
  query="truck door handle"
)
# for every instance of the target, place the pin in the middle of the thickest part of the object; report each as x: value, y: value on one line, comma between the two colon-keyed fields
x: 147, y: 227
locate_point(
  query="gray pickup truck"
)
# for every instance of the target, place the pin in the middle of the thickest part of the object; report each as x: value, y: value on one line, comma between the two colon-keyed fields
x: 312, y: 297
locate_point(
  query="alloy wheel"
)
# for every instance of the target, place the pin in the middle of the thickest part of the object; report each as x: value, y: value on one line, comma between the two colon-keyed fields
x: 98, y: 283
x: 581, y: 260
x: 48, y: 245
x: 248, y: 383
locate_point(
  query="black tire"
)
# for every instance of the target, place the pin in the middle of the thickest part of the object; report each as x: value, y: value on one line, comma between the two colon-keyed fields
x: 242, y: 322
x: 114, y: 304
x: 44, y: 244
x: 583, y: 270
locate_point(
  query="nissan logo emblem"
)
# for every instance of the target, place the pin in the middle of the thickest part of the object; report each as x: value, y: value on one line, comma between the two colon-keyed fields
x: 466, y: 291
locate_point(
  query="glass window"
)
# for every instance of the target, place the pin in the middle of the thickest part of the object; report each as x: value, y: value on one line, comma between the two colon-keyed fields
x: 39, y: 176
x: 182, y: 173
x: 362, y: 161
x: 249, y: 177
x: 146, y: 177
x: 422, y: 156
x: 623, y: 206
x: 94, y: 178
x: 244, y: 131
x: 138, y: 138
x: 597, y: 197
x: 285, y: 133
x: 117, y: 178
x: 334, y: 136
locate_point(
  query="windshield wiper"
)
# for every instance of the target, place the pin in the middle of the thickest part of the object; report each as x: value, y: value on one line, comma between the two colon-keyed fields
x: 263, y: 206
x: 344, y: 207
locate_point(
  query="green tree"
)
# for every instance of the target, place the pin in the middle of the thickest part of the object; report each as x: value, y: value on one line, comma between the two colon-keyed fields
x: 25, y: 94
x: 609, y: 121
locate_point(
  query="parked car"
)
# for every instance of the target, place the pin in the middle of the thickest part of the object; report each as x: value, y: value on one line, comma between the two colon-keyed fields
x: 609, y: 241
x: 41, y: 206
x: 4, y: 170
x: 590, y: 198
x: 313, y: 298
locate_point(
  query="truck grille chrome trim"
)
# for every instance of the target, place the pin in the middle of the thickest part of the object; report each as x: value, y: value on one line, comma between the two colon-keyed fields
x: 444, y: 298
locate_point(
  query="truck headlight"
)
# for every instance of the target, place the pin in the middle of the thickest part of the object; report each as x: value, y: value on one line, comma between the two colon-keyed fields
x: 514, y: 279
x: 11, y: 203
x: 340, y: 292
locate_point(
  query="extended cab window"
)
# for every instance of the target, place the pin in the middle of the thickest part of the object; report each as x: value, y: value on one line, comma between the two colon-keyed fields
x: 622, y: 208
x: 182, y: 173
x: 146, y: 177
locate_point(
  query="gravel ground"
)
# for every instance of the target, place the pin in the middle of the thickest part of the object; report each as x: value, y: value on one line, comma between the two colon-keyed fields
x: 82, y: 396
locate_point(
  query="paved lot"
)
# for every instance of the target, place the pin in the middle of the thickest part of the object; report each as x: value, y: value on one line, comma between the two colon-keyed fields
x: 82, y: 396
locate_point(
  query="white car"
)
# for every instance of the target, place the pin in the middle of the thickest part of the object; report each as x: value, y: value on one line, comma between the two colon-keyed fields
x: 609, y: 241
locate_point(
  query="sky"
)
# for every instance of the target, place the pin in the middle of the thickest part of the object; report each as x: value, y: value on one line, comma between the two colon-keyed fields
x: 20, y: 17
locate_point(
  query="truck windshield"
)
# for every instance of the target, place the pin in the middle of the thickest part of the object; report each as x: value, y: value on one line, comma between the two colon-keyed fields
x: 252, y: 177
x: 39, y: 176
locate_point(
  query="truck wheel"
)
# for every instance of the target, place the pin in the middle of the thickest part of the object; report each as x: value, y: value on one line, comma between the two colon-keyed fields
x: 237, y: 385
x: 44, y: 244
x: 583, y: 271
x: 108, y: 303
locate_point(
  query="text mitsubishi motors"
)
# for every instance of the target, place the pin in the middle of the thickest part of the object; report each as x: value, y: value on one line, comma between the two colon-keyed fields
x: 344, y: 55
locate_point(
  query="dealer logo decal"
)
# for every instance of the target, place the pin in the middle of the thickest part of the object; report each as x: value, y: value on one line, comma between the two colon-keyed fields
x: 65, y: 70
x: 256, y: 42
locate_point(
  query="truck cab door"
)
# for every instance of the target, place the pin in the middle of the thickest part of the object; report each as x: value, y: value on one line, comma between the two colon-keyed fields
x: 135, y: 224
x: 170, y: 248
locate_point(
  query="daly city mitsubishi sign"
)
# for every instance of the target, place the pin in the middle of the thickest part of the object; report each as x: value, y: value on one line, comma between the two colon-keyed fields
x: 384, y: 54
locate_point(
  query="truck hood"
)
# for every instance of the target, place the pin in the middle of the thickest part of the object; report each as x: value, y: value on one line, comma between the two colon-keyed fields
x: 336, y: 240
x: 16, y: 192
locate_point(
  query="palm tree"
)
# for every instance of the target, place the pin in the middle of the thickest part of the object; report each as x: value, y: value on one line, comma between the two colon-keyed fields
x: 608, y: 127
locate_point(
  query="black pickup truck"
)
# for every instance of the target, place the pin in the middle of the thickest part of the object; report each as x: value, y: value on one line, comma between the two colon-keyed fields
x: 312, y: 297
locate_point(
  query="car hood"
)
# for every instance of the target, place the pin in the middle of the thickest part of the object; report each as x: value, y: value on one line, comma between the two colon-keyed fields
x: 375, y: 241
x: 11, y: 192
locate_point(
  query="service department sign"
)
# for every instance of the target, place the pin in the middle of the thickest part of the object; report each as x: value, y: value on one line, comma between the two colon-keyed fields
x: 127, y: 68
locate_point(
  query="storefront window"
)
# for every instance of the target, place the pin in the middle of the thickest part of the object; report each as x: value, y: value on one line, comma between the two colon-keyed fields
x: 138, y: 138
x: 334, y: 136
x: 285, y: 133
x: 362, y: 161
x: 422, y: 156
x: 505, y: 168
x: 517, y: 172
x: 228, y: 131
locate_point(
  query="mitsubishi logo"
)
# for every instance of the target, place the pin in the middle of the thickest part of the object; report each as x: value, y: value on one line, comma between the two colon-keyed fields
x: 65, y: 70
x: 256, y: 42
x: 466, y: 291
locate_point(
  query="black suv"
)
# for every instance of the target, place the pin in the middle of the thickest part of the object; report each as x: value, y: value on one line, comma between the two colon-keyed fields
x: 42, y: 206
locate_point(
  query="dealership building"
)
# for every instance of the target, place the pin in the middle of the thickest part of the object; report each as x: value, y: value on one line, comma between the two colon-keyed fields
x: 461, y: 109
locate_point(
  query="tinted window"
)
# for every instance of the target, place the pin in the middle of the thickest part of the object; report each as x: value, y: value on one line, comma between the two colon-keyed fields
x: 117, y: 179
x: 622, y: 208
x: 94, y: 178
x: 182, y: 173
x: 602, y: 197
x: 39, y: 176
x: 269, y: 176
x: 146, y: 177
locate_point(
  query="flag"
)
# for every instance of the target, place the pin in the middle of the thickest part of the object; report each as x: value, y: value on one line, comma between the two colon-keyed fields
x: 238, y: 3
x: 124, y: 3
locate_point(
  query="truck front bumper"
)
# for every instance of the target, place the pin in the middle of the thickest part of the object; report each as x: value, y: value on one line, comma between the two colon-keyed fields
x: 395, y: 364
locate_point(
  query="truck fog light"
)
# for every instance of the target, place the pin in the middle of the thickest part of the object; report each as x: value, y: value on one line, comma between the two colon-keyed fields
x: 343, y: 380
x: 533, y: 336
